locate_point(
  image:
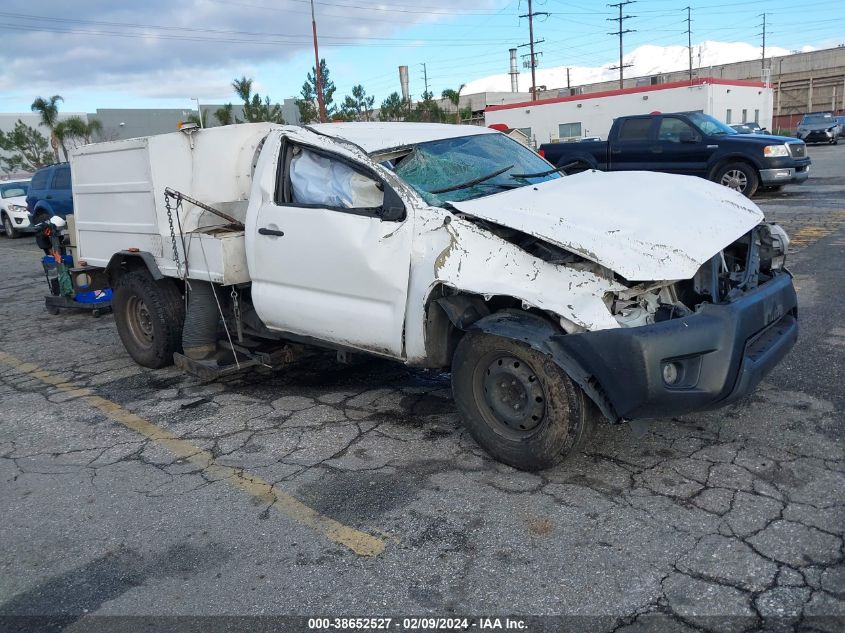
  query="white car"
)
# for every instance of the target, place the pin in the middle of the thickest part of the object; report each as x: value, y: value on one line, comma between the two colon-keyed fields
x: 14, y: 218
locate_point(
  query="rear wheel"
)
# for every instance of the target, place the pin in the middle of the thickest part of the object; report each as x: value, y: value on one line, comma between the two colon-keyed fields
x: 149, y: 315
x: 11, y: 233
x: 517, y: 403
x: 740, y: 177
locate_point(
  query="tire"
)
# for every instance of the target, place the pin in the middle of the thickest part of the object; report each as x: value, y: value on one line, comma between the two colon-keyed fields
x: 11, y: 233
x: 492, y: 375
x: 149, y: 316
x: 740, y: 177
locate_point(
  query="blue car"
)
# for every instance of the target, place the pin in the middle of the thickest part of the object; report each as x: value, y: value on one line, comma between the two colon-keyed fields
x: 50, y: 193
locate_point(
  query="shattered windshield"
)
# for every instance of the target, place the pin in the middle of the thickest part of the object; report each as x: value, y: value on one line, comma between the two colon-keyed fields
x: 464, y: 168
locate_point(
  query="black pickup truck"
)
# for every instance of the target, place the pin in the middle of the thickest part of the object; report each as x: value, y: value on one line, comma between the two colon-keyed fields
x: 690, y: 143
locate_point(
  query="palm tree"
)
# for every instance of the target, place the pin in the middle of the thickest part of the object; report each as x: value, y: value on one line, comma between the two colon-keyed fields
x: 454, y: 96
x: 77, y: 129
x: 224, y: 114
x: 49, y: 111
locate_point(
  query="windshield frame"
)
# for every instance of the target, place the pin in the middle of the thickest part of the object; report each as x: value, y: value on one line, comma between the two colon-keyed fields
x: 704, y: 121
x: 517, y: 158
x: 5, y: 186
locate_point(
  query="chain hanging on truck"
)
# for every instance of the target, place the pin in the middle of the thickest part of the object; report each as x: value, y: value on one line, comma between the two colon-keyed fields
x: 173, y: 232
x: 236, y: 311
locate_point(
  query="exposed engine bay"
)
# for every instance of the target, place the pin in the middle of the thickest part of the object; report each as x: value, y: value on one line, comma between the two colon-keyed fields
x: 749, y: 262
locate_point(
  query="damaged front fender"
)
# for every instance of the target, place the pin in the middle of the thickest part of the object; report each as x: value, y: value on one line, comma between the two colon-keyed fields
x: 476, y: 261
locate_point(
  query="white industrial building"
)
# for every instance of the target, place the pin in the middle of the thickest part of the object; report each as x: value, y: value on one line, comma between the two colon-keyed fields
x: 587, y: 115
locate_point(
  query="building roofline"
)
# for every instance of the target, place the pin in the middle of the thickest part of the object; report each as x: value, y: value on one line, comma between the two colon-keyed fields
x: 637, y: 89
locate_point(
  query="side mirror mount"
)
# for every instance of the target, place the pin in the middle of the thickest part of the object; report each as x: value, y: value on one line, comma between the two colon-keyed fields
x: 688, y: 136
x: 393, y: 209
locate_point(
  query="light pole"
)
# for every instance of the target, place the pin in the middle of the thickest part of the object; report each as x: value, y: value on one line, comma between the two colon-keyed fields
x: 199, y: 110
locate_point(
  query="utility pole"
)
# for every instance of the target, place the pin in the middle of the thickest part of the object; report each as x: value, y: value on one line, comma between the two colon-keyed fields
x: 532, y: 55
x: 621, y: 20
x: 318, y: 74
x: 689, y: 40
x: 425, y: 79
x: 763, y: 61
x: 567, y: 79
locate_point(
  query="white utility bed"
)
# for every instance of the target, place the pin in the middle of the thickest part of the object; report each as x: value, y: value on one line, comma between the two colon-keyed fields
x: 119, y: 202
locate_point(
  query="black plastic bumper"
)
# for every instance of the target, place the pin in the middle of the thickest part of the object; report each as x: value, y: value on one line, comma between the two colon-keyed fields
x: 721, y: 353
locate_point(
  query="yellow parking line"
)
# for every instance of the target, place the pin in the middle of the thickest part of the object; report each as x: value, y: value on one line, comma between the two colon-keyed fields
x: 359, y: 542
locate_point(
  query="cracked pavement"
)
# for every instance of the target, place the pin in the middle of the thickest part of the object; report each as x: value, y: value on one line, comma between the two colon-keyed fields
x: 729, y: 520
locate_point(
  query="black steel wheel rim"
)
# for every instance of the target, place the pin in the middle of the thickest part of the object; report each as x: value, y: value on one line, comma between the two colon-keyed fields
x: 509, y: 394
x: 140, y: 321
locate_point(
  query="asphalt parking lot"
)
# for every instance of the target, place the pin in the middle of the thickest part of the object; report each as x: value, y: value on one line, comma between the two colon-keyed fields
x: 351, y: 490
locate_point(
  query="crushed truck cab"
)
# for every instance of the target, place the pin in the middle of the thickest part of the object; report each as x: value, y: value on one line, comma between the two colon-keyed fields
x: 551, y: 298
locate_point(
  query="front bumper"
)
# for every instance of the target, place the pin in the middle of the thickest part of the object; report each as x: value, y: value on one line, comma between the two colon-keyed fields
x: 20, y: 220
x: 784, y: 175
x: 723, y: 351
x: 818, y: 136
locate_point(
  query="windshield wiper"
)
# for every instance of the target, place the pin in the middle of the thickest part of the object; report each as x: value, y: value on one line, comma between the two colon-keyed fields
x: 562, y: 168
x: 474, y: 181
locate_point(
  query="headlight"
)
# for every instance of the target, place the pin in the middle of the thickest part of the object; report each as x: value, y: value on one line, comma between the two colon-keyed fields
x: 775, y: 150
x: 774, y: 243
x: 16, y: 208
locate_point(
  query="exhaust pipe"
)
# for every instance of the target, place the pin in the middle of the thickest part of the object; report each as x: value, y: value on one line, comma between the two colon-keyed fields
x: 199, y: 334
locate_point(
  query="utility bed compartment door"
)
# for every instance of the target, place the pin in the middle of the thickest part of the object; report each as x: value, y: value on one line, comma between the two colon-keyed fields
x: 323, y: 262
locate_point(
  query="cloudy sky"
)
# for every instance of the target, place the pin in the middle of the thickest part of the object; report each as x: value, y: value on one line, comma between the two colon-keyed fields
x: 160, y: 53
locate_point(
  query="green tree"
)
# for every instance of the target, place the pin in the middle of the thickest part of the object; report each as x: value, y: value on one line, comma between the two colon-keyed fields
x: 29, y: 149
x: 76, y: 130
x: 428, y: 111
x: 256, y: 109
x: 224, y: 115
x: 49, y: 111
x: 454, y: 97
x: 307, y: 105
x: 358, y: 106
x: 393, y: 108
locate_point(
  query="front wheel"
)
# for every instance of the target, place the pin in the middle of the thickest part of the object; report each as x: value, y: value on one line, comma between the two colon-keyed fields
x: 740, y: 177
x: 11, y: 233
x: 517, y: 403
x: 149, y: 314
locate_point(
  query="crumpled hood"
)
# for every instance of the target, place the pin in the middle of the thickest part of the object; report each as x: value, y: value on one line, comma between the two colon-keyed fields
x: 645, y: 226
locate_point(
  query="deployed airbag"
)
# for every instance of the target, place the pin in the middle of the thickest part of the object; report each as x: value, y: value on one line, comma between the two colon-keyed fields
x: 318, y: 180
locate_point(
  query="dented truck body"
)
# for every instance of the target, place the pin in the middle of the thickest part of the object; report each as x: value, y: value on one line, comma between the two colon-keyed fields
x: 441, y: 245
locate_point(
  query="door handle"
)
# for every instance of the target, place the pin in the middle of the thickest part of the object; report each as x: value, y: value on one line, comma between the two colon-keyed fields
x: 48, y: 197
x: 265, y: 231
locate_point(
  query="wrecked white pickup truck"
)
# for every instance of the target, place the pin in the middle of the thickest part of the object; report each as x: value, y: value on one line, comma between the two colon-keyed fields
x: 550, y: 297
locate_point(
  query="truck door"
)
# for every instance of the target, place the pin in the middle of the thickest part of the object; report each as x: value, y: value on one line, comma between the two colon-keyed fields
x: 329, y: 254
x: 679, y: 148
x: 62, y: 195
x: 631, y: 147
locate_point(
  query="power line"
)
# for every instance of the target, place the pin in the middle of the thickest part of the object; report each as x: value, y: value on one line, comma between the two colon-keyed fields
x: 621, y: 20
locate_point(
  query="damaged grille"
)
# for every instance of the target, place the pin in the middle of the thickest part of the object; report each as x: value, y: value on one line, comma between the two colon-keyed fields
x: 797, y: 150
